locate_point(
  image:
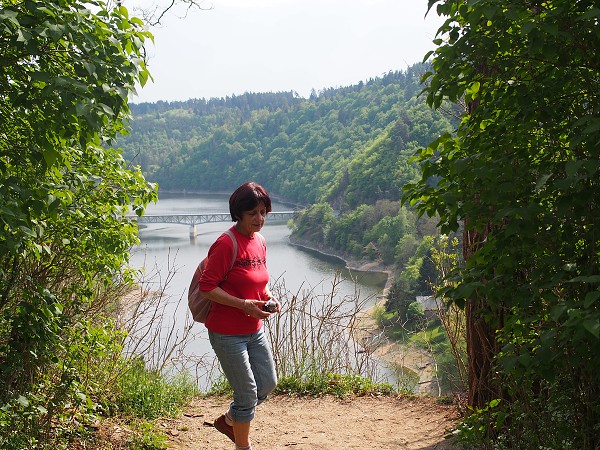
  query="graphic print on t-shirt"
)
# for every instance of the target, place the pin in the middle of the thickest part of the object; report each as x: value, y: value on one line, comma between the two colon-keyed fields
x: 251, y: 262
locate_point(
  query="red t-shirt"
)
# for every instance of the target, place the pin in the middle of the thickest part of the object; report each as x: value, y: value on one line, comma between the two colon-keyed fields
x: 247, y: 280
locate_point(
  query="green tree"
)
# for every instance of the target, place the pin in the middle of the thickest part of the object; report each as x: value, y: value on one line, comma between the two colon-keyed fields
x: 313, y: 224
x: 404, y: 290
x: 65, y: 76
x: 522, y: 174
x: 388, y: 232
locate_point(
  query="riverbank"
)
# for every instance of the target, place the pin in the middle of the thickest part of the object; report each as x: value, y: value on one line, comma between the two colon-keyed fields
x: 351, y: 263
x: 406, y: 360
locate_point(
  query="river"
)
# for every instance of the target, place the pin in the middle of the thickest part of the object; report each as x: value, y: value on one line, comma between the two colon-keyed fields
x: 168, y: 257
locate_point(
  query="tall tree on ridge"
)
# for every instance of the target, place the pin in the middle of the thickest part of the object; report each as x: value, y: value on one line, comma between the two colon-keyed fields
x: 521, y: 173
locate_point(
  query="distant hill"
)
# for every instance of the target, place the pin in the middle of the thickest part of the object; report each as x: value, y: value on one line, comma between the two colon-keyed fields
x: 347, y: 145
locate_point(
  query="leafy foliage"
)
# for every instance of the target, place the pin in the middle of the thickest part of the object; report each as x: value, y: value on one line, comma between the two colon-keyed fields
x: 407, y: 284
x: 523, y: 171
x: 314, y: 222
x: 65, y: 76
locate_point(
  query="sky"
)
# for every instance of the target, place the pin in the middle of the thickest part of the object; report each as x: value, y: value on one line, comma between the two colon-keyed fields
x: 236, y: 46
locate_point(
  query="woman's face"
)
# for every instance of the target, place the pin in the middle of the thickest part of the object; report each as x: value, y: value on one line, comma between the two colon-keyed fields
x: 253, y: 220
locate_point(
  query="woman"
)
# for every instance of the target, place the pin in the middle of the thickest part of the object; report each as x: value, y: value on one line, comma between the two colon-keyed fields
x: 235, y: 320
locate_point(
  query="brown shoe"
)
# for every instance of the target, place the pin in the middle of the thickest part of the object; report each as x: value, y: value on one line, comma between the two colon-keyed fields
x: 222, y: 426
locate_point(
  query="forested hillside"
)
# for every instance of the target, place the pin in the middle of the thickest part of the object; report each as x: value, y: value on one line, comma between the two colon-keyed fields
x: 348, y: 145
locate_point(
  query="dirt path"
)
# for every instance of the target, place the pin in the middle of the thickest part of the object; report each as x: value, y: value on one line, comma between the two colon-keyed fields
x: 412, y: 423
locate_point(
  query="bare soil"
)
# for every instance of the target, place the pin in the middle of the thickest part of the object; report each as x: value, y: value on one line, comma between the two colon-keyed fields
x: 402, y: 422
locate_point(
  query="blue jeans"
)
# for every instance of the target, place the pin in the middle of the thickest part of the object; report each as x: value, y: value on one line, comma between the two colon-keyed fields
x: 248, y: 364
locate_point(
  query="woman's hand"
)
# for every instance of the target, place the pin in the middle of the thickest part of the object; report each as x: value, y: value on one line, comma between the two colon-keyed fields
x: 253, y: 308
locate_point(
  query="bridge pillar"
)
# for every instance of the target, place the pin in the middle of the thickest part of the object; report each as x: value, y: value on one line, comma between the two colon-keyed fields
x: 193, y: 232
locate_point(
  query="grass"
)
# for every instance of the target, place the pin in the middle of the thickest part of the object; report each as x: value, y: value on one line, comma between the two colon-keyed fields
x: 147, y: 437
x: 149, y: 395
x: 338, y: 385
x: 432, y: 334
x: 316, y: 384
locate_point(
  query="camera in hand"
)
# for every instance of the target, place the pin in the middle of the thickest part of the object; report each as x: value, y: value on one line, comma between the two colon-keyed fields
x: 270, y: 306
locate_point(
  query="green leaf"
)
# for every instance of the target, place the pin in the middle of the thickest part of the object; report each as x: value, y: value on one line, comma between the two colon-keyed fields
x: 591, y: 298
x: 525, y: 359
x: 495, y: 402
x: 541, y: 182
x: 465, y: 290
x: 10, y: 15
x: 473, y: 88
x: 490, y: 11
x: 106, y: 109
x: 572, y: 167
x: 28, y: 231
x: 557, y: 311
x: 124, y: 12
x: 50, y: 156
x: 527, y: 27
x: 592, y: 13
x: 90, y: 67
x: 593, y: 326
x: 586, y: 279
x: 82, y: 109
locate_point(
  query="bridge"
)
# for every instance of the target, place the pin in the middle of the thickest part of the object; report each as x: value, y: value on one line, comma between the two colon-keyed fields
x: 197, y: 219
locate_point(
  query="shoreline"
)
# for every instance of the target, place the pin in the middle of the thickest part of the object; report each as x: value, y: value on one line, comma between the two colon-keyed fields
x: 368, y: 332
x: 367, y: 327
x: 351, y: 264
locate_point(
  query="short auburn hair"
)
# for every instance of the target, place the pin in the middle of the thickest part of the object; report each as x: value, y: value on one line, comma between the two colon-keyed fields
x: 246, y: 198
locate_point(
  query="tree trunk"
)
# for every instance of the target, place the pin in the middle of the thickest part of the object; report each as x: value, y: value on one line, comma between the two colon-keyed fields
x: 482, y: 345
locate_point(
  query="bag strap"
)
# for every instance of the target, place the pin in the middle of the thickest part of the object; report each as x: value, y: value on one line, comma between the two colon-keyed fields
x: 235, y: 248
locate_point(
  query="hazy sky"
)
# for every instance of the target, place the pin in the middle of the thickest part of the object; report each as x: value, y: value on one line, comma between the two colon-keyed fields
x: 242, y: 46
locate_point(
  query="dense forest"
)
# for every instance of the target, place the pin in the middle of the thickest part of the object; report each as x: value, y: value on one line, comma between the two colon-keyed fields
x: 347, y: 146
